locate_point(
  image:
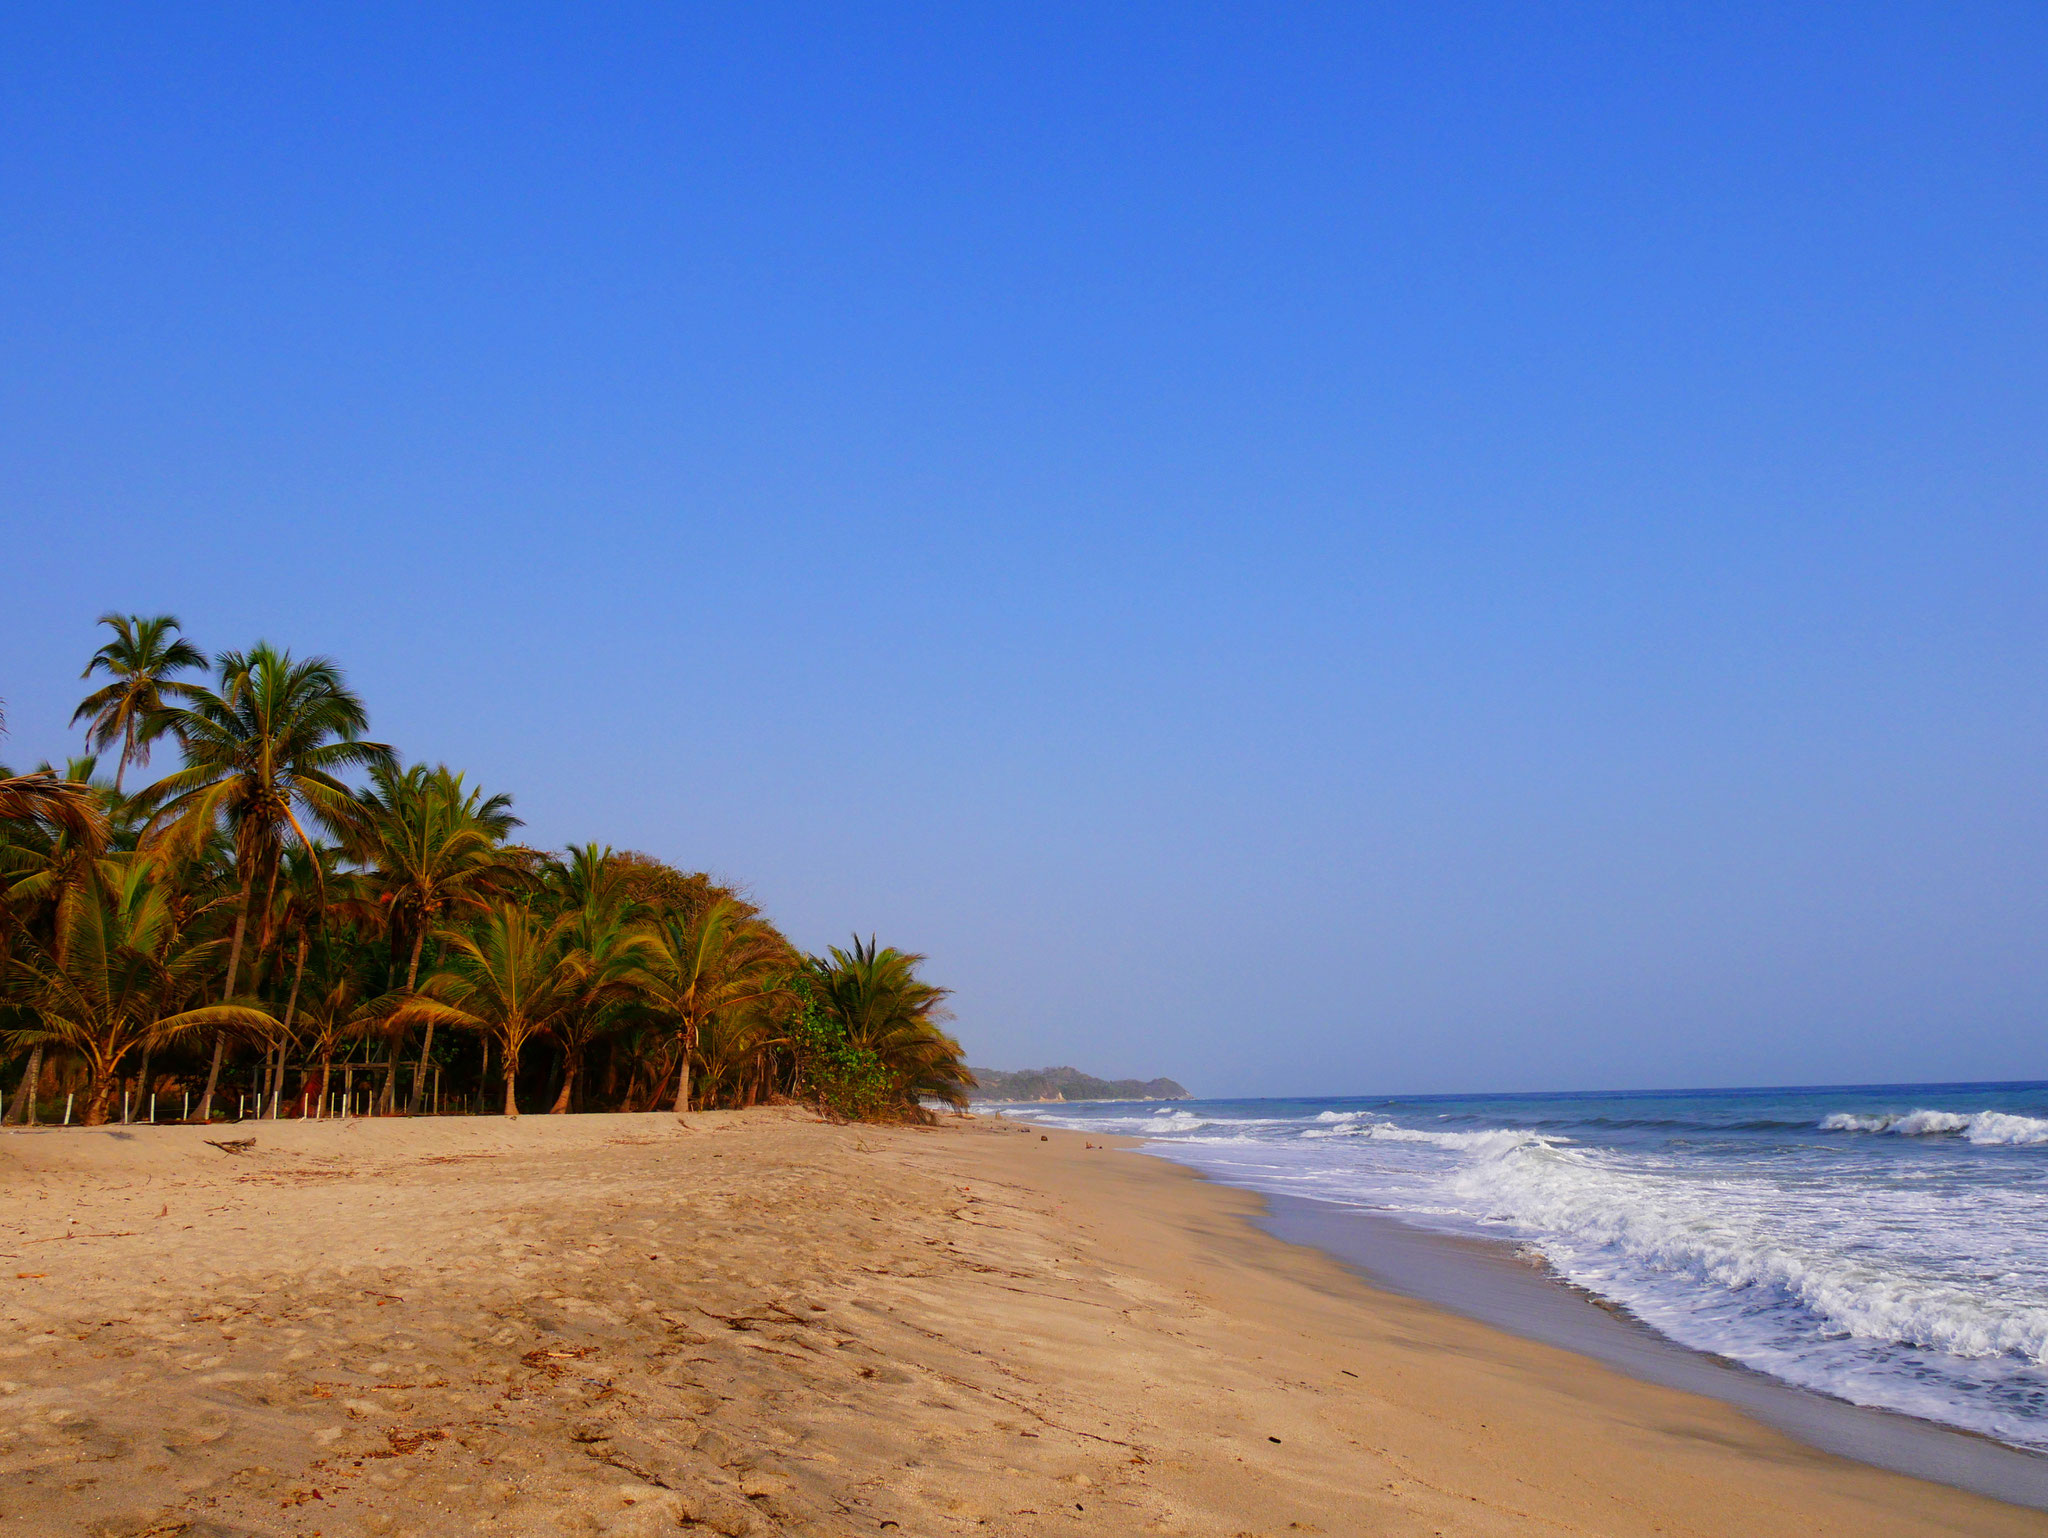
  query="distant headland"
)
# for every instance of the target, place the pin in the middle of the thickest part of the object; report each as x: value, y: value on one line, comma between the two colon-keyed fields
x: 1069, y: 1084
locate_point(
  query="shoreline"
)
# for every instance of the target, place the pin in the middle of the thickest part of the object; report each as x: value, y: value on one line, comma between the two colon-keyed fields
x: 762, y: 1324
x: 1485, y: 1280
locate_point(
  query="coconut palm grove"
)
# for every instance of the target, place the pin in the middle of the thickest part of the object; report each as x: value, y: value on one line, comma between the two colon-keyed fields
x: 293, y: 921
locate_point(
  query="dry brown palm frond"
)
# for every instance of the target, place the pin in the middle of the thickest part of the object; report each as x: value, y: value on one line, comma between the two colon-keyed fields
x: 66, y: 805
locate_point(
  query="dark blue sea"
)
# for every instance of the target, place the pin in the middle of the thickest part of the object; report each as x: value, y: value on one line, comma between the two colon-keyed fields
x: 1887, y: 1245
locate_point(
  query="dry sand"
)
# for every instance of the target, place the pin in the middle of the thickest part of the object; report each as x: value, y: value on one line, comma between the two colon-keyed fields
x: 763, y: 1324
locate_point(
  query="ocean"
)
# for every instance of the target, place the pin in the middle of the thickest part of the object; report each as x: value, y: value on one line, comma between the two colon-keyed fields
x: 1885, y: 1245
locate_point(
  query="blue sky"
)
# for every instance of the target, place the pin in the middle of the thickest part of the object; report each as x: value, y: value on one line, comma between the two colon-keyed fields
x: 1349, y: 549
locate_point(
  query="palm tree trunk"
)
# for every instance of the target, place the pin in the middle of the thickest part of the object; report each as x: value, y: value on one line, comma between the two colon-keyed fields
x: 511, y: 1073
x: 388, y: 1100
x: 683, y: 1077
x: 23, y: 1109
x: 419, y: 1076
x: 100, y: 1097
x: 220, y: 1037
x: 291, y: 1008
x: 570, y: 1060
x: 204, y: 1114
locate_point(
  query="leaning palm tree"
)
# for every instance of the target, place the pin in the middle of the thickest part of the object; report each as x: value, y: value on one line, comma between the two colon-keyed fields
x: 702, y: 964
x: 431, y: 844
x: 117, y: 982
x: 264, y: 752
x: 141, y: 658
x: 509, y: 977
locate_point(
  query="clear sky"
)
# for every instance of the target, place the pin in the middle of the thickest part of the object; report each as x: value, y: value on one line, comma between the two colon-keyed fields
x: 1343, y: 548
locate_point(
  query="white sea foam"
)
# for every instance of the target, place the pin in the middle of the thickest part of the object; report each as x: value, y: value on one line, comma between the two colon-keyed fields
x: 1726, y: 1234
x: 1489, y: 1141
x: 1987, y: 1127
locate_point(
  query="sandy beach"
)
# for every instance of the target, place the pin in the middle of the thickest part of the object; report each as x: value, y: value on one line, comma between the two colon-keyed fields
x: 760, y: 1323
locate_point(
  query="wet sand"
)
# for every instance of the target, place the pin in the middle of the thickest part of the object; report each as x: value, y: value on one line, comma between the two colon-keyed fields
x: 762, y: 1324
x: 1493, y: 1282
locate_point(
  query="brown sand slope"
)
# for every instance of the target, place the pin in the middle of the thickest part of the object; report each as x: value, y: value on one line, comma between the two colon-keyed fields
x: 609, y: 1325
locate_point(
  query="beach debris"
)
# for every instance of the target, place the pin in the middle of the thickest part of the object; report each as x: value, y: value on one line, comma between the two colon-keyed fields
x: 233, y: 1145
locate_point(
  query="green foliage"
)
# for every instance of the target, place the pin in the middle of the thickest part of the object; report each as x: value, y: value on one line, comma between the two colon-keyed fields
x: 844, y: 1078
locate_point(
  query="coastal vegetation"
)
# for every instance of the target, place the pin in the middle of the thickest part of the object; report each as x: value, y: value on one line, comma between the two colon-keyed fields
x: 293, y: 921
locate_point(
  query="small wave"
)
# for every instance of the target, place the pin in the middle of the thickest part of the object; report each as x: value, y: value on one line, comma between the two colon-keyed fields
x: 1985, y: 1127
x: 1491, y: 1141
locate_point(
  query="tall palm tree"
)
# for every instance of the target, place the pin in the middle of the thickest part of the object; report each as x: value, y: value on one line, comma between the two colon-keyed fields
x: 509, y: 977
x: 117, y: 981
x: 264, y: 752
x: 876, y: 998
x: 431, y: 843
x: 702, y: 964
x: 141, y: 658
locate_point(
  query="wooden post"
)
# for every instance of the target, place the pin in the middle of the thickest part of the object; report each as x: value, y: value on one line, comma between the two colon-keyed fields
x: 67, y: 1109
x: 152, y: 1108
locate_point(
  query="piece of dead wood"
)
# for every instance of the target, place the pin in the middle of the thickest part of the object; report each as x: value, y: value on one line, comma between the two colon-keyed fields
x: 233, y: 1145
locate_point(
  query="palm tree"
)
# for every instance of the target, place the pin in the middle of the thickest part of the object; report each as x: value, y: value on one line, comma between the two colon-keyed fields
x: 610, y: 947
x: 876, y: 998
x: 263, y: 756
x: 704, y: 963
x: 431, y: 843
x: 46, y: 863
x: 115, y: 981
x: 340, y: 1000
x: 141, y: 658
x: 302, y: 901
x: 510, y: 977
x: 43, y: 798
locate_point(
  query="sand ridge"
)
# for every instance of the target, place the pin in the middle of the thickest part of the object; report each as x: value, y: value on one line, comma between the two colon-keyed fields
x: 760, y: 1323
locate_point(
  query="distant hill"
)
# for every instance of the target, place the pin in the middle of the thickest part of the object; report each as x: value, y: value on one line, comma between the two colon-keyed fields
x: 1069, y: 1084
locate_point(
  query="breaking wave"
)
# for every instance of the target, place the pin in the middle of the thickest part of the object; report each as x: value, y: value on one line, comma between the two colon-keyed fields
x: 1989, y: 1127
x: 1724, y: 1235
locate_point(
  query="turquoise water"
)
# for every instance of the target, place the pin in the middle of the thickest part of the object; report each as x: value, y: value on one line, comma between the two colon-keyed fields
x: 1884, y: 1244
